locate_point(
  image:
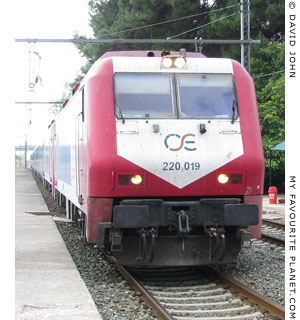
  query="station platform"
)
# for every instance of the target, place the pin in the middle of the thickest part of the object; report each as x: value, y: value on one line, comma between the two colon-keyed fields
x: 273, y: 211
x: 47, y: 283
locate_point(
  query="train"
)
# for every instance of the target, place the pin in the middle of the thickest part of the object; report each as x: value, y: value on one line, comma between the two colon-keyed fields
x: 158, y: 155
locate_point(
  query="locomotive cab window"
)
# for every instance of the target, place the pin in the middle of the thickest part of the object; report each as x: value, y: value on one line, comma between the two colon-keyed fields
x: 144, y: 95
x: 169, y: 96
x: 206, y: 96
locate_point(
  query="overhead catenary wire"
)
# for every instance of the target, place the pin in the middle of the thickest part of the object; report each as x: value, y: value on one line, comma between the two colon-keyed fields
x: 268, y: 74
x: 168, y: 21
x: 202, y: 26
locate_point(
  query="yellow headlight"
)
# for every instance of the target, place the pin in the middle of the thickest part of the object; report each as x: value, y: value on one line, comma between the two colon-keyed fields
x: 167, y: 62
x: 223, y: 178
x: 136, y: 179
x: 173, y: 62
x: 179, y: 62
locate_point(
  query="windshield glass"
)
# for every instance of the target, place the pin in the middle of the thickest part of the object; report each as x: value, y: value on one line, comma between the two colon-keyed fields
x: 144, y: 95
x: 161, y: 96
x: 206, y: 96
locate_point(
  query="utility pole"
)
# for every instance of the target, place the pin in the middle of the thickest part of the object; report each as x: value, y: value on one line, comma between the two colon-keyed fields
x: 245, y: 34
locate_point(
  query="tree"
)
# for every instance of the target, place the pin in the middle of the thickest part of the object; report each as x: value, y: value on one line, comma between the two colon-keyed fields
x: 112, y: 18
x: 272, y: 123
x: 267, y: 19
x: 267, y: 66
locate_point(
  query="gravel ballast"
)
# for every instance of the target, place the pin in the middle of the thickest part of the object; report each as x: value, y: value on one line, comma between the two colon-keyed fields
x: 111, y: 293
x: 261, y: 268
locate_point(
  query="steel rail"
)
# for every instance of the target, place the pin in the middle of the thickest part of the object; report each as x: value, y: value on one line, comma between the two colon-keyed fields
x: 274, y: 309
x: 276, y: 240
x: 272, y: 238
x: 153, y: 303
x: 275, y: 224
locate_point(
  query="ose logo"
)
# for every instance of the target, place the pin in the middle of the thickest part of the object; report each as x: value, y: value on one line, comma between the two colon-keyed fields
x: 181, y: 140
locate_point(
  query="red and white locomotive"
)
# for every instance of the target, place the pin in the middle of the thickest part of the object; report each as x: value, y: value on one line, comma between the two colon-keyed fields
x: 161, y: 157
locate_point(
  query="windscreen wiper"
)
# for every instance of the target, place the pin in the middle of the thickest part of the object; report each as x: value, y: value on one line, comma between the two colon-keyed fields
x: 120, y: 114
x: 233, y: 110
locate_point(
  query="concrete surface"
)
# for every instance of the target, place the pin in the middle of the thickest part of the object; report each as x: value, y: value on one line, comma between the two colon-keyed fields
x: 47, y: 283
x: 278, y: 207
x: 273, y: 211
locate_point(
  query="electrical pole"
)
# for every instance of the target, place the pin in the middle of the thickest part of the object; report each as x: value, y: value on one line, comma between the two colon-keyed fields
x: 248, y: 36
x: 242, y: 33
x: 245, y: 34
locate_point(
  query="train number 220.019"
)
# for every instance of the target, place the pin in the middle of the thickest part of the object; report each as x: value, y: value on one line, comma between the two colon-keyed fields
x: 181, y: 166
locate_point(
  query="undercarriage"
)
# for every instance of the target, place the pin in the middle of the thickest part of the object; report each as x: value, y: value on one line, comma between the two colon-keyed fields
x: 159, y: 233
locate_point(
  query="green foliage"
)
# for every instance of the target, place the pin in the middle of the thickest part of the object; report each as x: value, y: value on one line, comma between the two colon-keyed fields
x: 267, y: 21
x: 109, y: 19
x: 271, y: 111
x: 267, y: 18
x: 269, y: 58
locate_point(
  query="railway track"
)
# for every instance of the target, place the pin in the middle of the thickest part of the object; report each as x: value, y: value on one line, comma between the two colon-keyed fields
x: 273, y: 231
x: 197, y: 294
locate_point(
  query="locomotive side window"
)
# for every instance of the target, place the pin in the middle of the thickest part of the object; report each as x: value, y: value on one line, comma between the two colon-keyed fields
x: 144, y: 95
x: 206, y: 96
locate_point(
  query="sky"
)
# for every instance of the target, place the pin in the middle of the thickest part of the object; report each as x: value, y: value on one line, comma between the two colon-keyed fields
x: 55, y: 63
x: 59, y: 65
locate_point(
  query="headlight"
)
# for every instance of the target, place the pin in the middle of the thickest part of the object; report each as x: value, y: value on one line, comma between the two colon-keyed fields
x: 127, y: 180
x: 223, y: 178
x: 167, y: 62
x: 173, y: 62
x: 136, y: 179
x: 179, y: 62
x: 230, y: 179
